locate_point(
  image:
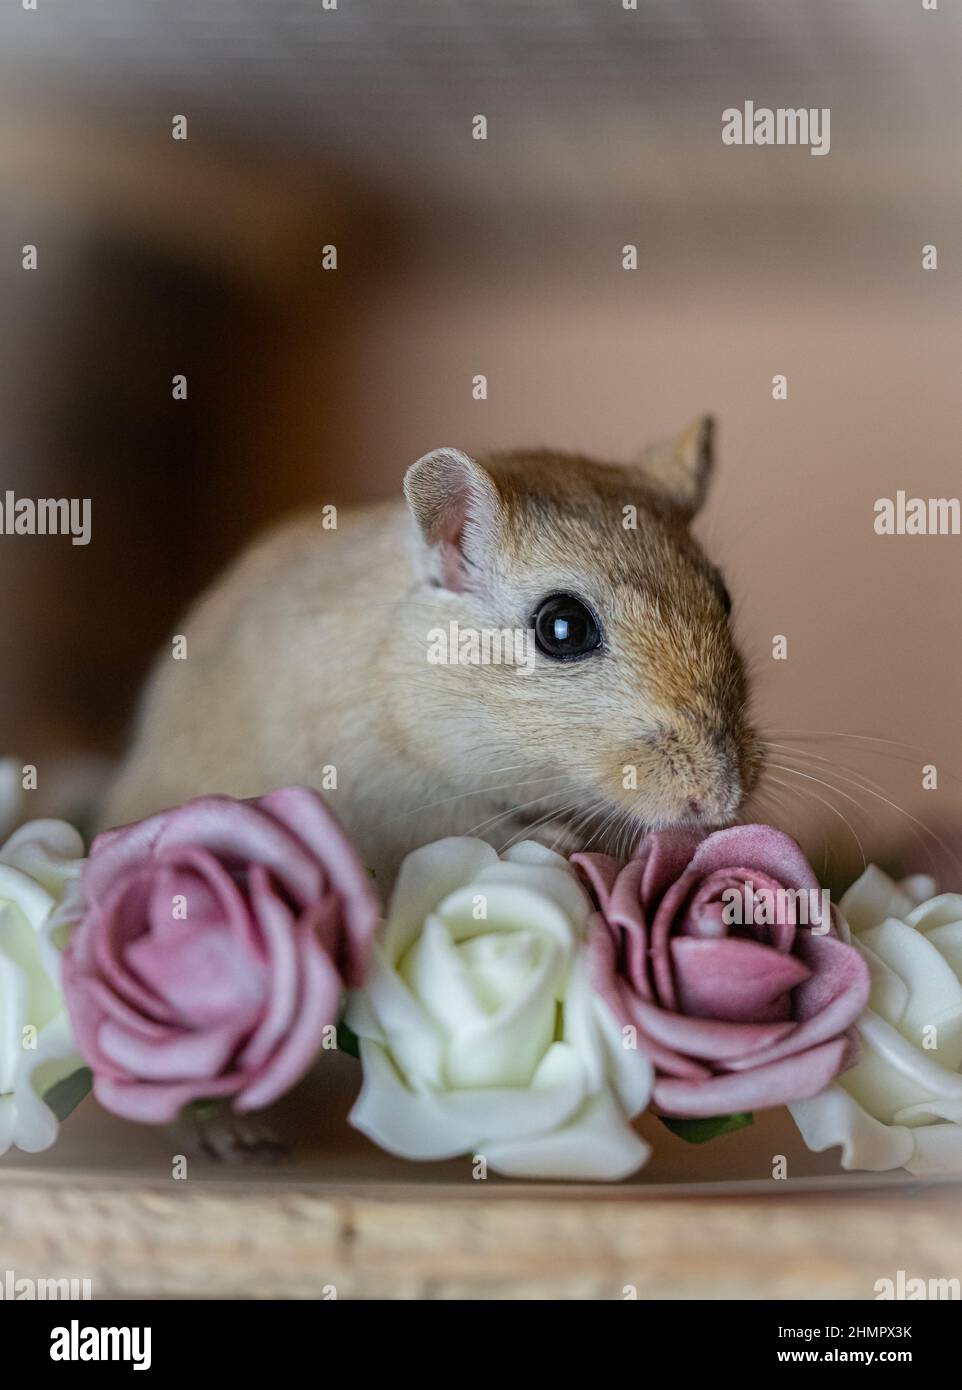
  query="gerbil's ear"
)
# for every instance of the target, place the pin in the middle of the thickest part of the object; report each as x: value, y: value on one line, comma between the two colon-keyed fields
x: 457, y: 508
x: 680, y: 469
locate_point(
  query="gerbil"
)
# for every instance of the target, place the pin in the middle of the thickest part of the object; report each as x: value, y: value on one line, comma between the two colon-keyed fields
x: 308, y: 662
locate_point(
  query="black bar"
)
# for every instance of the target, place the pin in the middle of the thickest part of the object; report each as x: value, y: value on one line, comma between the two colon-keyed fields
x: 250, y: 1337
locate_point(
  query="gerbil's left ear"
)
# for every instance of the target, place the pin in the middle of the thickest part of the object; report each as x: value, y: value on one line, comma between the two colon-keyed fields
x: 680, y: 469
x: 458, y: 511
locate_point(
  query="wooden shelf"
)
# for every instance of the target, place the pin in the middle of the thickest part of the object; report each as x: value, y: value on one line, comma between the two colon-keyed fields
x: 699, y: 1222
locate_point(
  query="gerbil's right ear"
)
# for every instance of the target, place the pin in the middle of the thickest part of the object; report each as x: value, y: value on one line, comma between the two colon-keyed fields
x: 680, y: 469
x: 458, y: 511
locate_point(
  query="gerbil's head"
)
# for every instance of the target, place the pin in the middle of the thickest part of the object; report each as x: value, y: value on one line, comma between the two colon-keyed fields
x: 631, y: 693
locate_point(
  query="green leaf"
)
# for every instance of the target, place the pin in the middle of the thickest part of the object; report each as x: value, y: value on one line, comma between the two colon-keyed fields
x: 66, y: 1095
x: 700, y: 1131
x: 207, y: 1109
x: 347, y: 1040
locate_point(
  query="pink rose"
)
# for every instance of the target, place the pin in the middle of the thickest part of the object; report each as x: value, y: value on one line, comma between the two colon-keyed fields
x: 733, y: 1017
x: 211, y: 948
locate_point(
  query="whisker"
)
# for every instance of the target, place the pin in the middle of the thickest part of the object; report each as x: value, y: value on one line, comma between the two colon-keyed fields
x: 608, y: 815
x: 526, y: 830
x: 807, y: 791
x: 760, y: 796
x: 828, y: 787
x: 893, y: 805
x: 840, y: 733
x: 904, y: 758
x: 804, y: 756
x: 523, y: 806
x: 477, y: 791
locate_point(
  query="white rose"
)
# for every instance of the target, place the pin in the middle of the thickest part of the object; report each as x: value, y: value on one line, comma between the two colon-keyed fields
x: 901, y: 1105
x: 480, y: 1034
x: 38, y: 866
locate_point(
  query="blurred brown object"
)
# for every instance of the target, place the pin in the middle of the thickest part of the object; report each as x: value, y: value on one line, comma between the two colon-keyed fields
x: 156, y: 260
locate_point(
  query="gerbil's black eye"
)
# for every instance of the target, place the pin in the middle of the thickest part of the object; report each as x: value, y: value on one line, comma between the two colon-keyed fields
x: 723, y: 594
x: 565, y: 628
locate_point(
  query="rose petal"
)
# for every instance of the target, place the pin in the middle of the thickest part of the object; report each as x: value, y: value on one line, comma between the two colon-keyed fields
x: 550, y: 880
x: 761, y: 847
x: 443, y: 1124
x: 182, y: 1057
x: 236, y: 832
x: 947, y: 940
x: 506, y: 1048
x: 600, y: 872
x: 888, y: 995
x: 514, y: 903
x: 278, y: 932
x: 158, y: 1103
x: 834, y: 1117
x: 713, y: 1040
x: 50, y: 852
x: 306, y: 814
x: 204, y: 978
x: 825, y: 1005
x: 531, y: 853
x: 705, y: 912
x: 417, y: 1046
x: 665, y: 854
x: 792, y: 1078
x: 8, y: 1120
x: 734, y: 980
x: 928, y: 1110
x: 937, y: 1152
x: 34, y: 1125
x: 409, y: 1123
x: 893, y: 1073
x: 91, y: 1002
x: 624, y: 914
x: 212, y: 896
x: 321, y: 987
x: 427, y: 876
x: 438, y: 977
x: 596, y: 1145
x: 28, y: 896
x: 938, y: 912
x: 97, y: 947
x: 873, y: 897
x: 932, y: 1017
x: 626, y: 1006
x: 920, y: 887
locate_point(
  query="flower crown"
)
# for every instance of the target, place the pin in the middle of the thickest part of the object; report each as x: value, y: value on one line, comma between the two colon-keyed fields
x: 522, y: 1009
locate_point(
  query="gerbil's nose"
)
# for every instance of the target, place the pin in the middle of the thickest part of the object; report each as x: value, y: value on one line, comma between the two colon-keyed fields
x: 713, y: 808
x: 701, y: 773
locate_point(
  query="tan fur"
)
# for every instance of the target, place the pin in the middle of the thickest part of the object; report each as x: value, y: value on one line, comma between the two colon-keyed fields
x: 311, y: 652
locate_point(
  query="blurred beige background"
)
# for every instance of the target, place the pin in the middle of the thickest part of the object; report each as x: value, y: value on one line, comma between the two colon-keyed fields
x: 308, y: 127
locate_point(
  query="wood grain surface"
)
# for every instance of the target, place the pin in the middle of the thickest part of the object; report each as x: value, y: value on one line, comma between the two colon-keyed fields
x: 137, y: 1239
x: 118, y: 1204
